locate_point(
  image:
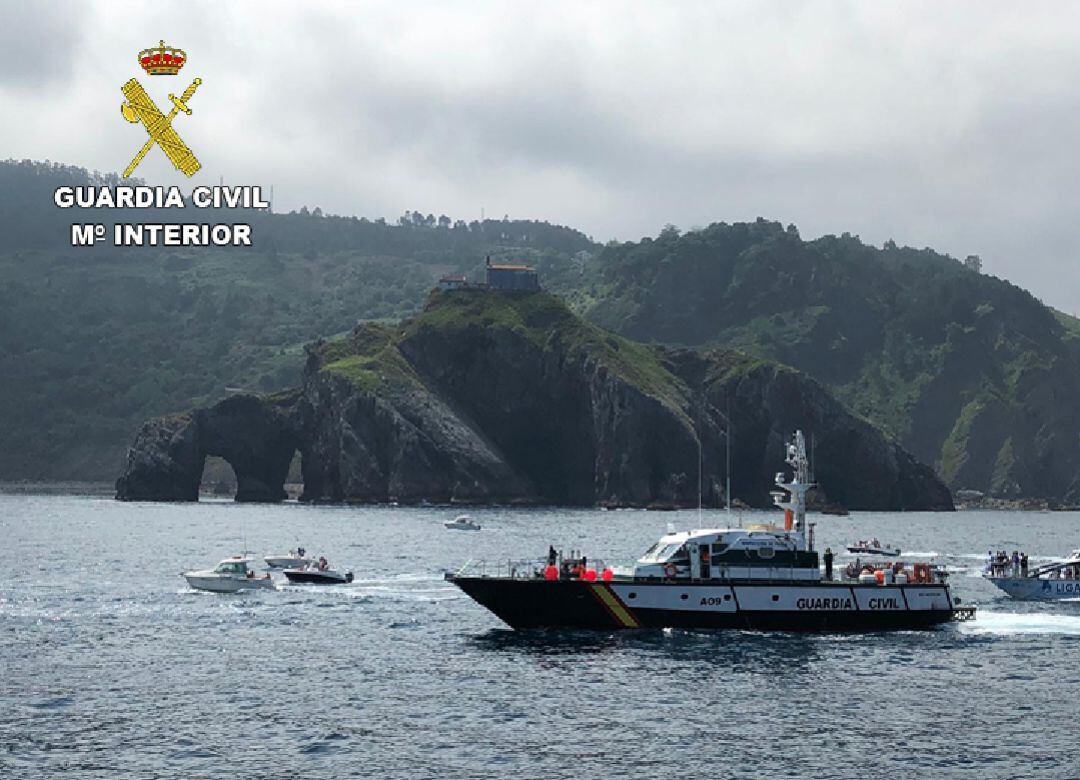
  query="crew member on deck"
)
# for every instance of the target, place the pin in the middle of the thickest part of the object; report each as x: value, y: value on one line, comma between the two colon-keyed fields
x: 828, y: 563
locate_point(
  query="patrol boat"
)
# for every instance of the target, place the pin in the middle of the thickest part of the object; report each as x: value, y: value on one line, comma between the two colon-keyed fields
x: 758, y: 578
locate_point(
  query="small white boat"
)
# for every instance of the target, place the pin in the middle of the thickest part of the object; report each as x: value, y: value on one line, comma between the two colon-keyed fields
x: 462, y: 523
x: 1059, y: 580
x: 318, y: 573
x: 873, y: 547
x: 229, y: 576
x: 296, y: 559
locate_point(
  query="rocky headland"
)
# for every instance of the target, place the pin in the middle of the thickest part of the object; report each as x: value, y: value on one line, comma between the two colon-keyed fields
x: 489, y: 397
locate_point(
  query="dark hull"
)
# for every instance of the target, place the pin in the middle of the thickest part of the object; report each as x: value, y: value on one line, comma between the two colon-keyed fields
x: 313, y: 578
x: 525, y: 604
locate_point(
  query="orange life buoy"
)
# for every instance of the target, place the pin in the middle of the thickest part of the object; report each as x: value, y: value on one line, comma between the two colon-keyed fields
x: 669, y: 570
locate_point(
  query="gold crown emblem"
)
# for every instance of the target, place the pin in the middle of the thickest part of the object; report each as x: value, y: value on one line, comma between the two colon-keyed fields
x: 162, y: 60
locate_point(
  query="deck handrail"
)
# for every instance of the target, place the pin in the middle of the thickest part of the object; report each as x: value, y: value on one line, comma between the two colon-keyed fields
x: 514, y: 568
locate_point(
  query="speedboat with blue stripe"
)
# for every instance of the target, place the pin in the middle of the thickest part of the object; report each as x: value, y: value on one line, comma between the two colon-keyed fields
x: 1051, y: 582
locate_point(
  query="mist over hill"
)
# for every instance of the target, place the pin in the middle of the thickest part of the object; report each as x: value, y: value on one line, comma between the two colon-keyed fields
x: 972, y: 374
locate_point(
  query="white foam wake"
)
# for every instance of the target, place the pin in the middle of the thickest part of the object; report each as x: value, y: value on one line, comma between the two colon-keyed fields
x: 1022, y: 623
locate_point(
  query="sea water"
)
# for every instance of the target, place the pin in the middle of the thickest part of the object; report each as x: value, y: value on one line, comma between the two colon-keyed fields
x: 110, y: 665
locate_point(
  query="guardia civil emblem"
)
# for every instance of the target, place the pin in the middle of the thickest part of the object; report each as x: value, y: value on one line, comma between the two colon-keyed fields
x: 161, y: 60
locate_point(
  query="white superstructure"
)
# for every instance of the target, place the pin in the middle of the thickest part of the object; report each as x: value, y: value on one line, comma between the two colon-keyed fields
x: 794, y: 504
x: 763, y: 552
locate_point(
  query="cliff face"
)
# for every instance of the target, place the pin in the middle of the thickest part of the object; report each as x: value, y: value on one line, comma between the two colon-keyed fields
x: 408, y: 445
x: 971, y: 374
x: 487, y: 397
x: 854, y: 463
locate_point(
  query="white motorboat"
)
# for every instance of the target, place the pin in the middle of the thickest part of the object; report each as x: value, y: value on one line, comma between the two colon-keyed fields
x: 229, y: 576
x: 873, y: 547
x: 1059, y: 580
x: 318, y: 573
x: 296, y: 559
x: 462, y: 523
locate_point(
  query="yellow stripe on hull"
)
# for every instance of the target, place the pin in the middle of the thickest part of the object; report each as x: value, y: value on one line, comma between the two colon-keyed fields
x: 611, y: 601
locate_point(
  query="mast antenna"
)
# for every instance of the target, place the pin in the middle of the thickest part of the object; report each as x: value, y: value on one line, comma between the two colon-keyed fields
x: 699, y: 479
x: 699, y: 463
x: 727, y: 488
x: 728, y: 458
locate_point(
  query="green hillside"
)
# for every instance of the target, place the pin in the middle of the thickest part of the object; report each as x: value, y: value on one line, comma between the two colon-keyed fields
x: 971, y: 373
x: 94, y: 341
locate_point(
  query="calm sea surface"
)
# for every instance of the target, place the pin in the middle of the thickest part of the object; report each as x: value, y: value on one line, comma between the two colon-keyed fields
x: 110, y: 665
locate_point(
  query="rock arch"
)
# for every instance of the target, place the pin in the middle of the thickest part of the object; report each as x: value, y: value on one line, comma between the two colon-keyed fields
x: 256, y: 436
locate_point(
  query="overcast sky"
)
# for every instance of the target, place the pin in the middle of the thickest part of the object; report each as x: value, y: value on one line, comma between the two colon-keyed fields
x: 945, y: 125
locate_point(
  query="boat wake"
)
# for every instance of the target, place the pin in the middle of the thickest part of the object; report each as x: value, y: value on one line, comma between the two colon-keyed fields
x: 405, y: 587
x: 1022, y: 623
x: 430, y: 594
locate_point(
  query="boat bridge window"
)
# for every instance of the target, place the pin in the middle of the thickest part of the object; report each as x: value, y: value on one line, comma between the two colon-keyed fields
x: 681, y: 555
x: 668, y: 552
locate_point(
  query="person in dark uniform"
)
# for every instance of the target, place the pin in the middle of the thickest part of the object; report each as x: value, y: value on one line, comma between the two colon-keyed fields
x: 828, y: 563
x: 552, y: 555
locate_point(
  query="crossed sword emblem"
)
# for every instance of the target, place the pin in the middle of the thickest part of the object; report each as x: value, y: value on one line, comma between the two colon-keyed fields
x: 140, y: 108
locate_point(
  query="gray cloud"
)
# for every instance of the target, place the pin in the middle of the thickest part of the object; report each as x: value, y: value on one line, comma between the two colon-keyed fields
x: 38, y: 43
x: 950, y: 127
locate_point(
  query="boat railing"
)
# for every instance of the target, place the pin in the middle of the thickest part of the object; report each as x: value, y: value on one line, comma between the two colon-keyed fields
x: 520, y: 568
